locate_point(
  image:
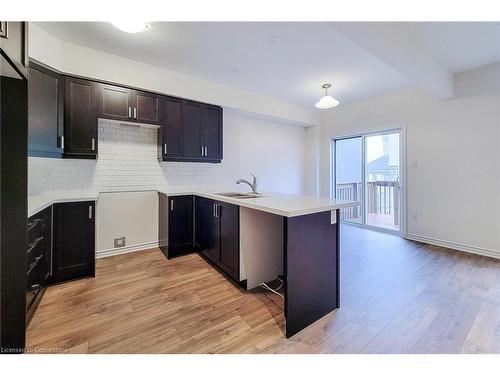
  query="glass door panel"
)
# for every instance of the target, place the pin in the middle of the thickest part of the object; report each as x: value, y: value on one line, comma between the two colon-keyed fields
x: 382, y: 176
x: 348, y: 177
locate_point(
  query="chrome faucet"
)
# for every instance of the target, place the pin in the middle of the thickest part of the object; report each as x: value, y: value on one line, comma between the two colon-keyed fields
x: 253, y: 184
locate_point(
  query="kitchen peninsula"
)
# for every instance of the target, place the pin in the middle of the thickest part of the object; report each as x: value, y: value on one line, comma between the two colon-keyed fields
x: 251, y: 239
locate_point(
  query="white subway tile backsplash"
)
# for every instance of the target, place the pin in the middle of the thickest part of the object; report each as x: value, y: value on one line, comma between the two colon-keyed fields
x: 127, y: 160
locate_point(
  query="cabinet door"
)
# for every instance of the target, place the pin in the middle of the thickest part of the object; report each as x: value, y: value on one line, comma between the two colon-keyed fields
x: 163, y: 223
x: 207, y: 228
x: 180, y: 225
x: 45, y: 112
x: 73, y: 241
x: 212, y: 132
x: 191, y: 130
x: 80, y: 117
x: 171, y: 127
x: 115, y: 103
x: 229, y: 258
x: 145, y: 107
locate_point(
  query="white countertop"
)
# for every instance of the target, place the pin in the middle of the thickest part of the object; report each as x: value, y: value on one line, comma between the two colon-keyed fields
x: 288, y: 205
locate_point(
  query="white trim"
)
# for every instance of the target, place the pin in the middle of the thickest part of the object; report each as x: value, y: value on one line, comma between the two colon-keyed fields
x: 454, y: 245
x: 126, y: 249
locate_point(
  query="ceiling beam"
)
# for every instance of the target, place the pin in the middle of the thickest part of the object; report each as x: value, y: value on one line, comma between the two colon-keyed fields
x: 393, y: 44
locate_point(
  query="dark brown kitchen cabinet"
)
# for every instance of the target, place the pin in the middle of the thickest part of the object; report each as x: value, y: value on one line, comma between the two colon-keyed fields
x: 146, y: 107
x: 229, y: 239
x: 39, y: 258
x: 176, y: 225
x: 217, y: 234
x: 212, y: 132
x: 73, y: 241
x: 115, y: 102
x: 201, y: 132
x: 124, y: 104
x: 45, y: 112
x: 191, y: 130
x: 206, y: 228
x: 80, y: 118
x: 170, y: 132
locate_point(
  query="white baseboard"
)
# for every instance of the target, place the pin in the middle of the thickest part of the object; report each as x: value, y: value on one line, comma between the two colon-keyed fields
x: 454, y: 245
x: 126, y: 249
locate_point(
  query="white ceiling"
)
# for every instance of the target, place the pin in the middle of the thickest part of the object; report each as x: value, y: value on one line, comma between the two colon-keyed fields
x: 460, y: 46
x: 289, y: 60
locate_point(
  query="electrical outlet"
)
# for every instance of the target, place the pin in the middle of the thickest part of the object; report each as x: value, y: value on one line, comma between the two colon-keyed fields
x: 119, y: 242
x: 414, y: 216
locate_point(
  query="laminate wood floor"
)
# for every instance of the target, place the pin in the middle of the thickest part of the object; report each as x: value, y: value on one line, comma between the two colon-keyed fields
x: 397, y: 296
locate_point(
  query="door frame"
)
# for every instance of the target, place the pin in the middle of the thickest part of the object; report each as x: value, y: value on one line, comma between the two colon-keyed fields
x: 401, y: 128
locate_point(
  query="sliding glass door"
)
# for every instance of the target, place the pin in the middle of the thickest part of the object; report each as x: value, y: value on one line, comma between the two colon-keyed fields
x: 349, y: 177
x: 368, y: 170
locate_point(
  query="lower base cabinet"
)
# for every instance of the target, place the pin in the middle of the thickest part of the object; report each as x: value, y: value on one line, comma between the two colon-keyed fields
x: 206, y: 228
x: 217, y: 228
x: 73, y: 241
x: 39, y: 256
x: 176, y: 224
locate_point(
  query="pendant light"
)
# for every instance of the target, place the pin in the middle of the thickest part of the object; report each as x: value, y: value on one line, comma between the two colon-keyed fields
x: 327, y: 101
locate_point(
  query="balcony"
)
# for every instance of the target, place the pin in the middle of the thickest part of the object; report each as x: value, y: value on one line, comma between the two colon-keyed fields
x: 382, y: 200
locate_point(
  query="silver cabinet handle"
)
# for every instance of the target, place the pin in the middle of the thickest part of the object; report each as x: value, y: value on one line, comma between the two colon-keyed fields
x: 202, y: 151
x: 165, y: 148
x: 33, y: 223
x: 172, y: 205
x: 135, y: 113
x: 93, y: 144
x: 206, y: 150
x: 129, y: 112
x: 90, y: 212
x: 33, y: 244
x: 62, y: 142
x: 35, y: 262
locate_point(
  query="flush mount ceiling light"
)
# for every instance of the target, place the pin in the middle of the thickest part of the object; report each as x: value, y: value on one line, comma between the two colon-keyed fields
x: 327, y: 101
x: 131, y: 26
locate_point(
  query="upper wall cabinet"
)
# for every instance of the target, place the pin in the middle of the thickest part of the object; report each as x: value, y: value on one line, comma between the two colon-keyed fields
x: 170, y: 133
x: 115, y: 103
x: 211, y: 131
x: 80, y: 118
x: 146, y: 107
x: 119, y: 103
x: 190, y: 131
x: 45, y: 112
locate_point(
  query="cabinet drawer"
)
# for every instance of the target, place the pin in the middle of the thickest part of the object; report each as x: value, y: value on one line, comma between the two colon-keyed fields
x: 35, y: 248
x: 39, y: 225
x: 35, y: 229
x: 35, y: 279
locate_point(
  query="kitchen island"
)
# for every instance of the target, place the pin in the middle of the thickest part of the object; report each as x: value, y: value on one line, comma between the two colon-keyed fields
x: 275, y: 235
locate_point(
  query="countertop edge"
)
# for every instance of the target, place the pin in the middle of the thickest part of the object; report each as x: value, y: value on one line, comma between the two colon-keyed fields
x: 50, y: 200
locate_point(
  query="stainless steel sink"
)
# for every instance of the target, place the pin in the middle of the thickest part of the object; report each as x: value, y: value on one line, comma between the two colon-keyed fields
x: 239, y: 195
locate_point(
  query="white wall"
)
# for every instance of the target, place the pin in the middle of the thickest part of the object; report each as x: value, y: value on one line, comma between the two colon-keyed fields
x: 132, y: 215
x: 453, y: 157
x: 78, y: 60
